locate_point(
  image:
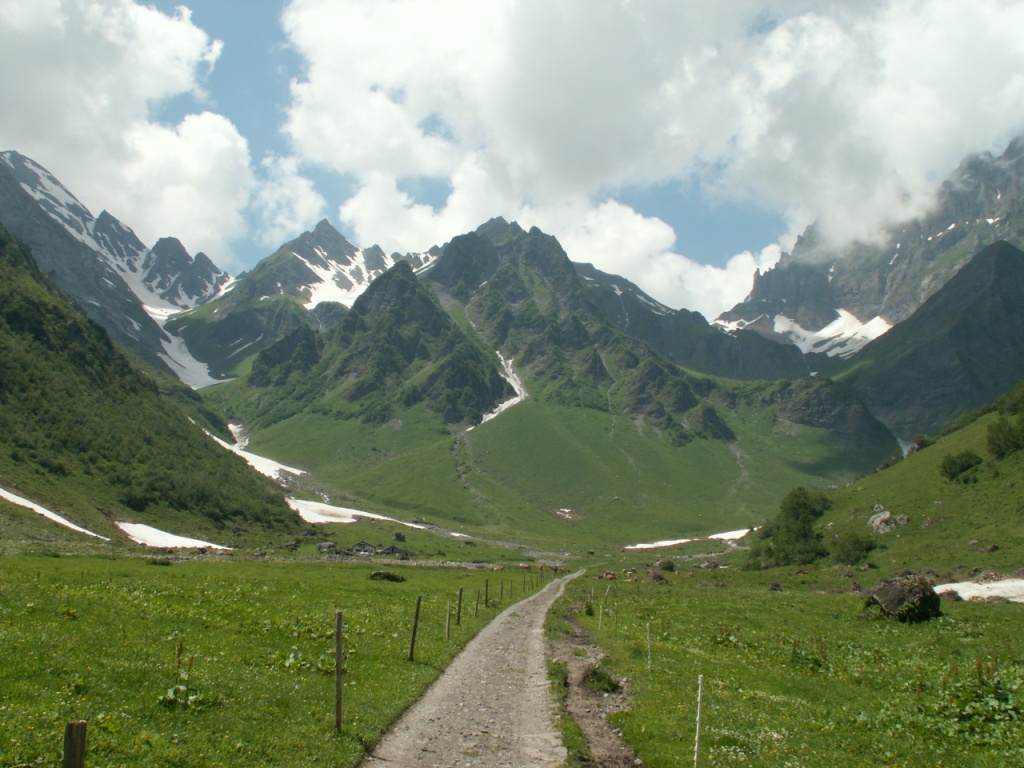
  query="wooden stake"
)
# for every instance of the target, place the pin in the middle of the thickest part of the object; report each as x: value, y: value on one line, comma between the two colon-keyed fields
x: 487, y: 593
x: 700, y: 698
x: 476, y: 609
x: 448, y: 623
x: 458, y: 612
x: 415, y: 625
x: 74, y: 745
x: 338, y: 662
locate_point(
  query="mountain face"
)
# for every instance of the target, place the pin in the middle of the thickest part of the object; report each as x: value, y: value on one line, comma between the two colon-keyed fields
x: 835, y: 301
x: 395, y: 349
x: 83, y: 431
x: 961, y: 349
x: 688, y: 339
x: 309, y: 281
x: 125, y: 287
x: 495, y: 385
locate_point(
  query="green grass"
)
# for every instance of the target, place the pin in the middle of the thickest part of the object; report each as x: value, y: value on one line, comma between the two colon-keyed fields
x: 217, y: 663
x: 801, y: 677
x: 949, y: 524
x: 510, y: 478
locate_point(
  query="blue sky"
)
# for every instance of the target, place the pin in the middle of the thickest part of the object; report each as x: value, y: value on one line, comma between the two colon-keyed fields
x: 681, y: 144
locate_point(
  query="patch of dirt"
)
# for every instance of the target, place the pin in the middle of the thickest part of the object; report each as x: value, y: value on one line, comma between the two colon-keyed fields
x: 589, y: 708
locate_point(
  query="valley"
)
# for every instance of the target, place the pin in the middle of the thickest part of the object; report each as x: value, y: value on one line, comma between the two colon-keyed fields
x: 198, y: 469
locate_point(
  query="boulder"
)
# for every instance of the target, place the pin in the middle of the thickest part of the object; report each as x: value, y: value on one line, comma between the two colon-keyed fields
x: 656, y: 577
x: 327, y: 548
x: 906, y: 598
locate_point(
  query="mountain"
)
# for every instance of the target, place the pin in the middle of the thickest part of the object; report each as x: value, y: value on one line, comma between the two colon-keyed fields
x: 98, y: 261
x: 688, y: 339
x: 490, y: 393
x: 961, y: 349
x: 309, y: 281
x: 83, y: 432
x: 834, y: 301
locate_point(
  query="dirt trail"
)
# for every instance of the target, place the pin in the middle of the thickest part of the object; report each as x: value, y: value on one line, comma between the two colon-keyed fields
x: 492, y: 707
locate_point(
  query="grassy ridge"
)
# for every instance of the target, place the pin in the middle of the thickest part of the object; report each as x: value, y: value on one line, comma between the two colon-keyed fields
x: 217, y: 663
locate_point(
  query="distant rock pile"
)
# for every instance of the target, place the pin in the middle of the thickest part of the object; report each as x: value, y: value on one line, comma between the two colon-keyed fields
x: 884, y: 521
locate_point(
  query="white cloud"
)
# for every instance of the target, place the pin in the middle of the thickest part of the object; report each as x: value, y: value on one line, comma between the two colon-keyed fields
x: 615, y: 238
x: 844, y: 113
x: 91, y: 75
x: 286, y: 203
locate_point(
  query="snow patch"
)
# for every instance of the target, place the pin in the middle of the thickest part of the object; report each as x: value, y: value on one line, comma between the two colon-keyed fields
x: 153, y: 537
x: 727, y: 536
x: 509, y: 374
x: 191, y: 372
x: 318, y: 513
x: 841, y: 338
x: 657, y: 306
x: 269, y: 467
x: 1011, y: 589
x: 22, y: 502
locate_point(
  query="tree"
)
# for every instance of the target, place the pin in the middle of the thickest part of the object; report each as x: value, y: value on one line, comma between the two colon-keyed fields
x: 790, y: 539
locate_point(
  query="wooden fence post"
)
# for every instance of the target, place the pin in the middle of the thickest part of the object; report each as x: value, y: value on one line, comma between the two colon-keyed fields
x: 476, y: 609
x: 487, y: 593
x: 338, y: 659
x: 700, y: 697
x: 648, y: 646
x: 458, y: 612
x: 415, y: 624
x: 448, y: 622
x: 74, y: 745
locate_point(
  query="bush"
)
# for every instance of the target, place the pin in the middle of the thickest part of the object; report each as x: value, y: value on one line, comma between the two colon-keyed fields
x: 852, y: 549
x: 1005, y: 437
x: 956, y: 466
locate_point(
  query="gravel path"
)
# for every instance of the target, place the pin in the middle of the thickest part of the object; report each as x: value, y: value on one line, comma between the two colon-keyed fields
x: 492, y: 707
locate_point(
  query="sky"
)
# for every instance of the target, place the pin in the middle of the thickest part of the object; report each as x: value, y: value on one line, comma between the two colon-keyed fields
x: 681, y: 144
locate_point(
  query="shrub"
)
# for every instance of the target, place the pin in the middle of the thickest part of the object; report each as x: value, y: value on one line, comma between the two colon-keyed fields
x: 956, y: 466
x: 1005, y: 437
x: 851, y: 549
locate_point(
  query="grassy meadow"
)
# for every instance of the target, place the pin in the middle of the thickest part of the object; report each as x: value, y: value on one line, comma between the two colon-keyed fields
x: 220, y: 663
x: 803, y: 676
x: 622, y: 481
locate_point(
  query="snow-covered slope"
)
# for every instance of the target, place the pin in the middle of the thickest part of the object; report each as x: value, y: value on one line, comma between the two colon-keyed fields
x: 334, y: 270
x: 843, y: 337
x: 128, y: 288
x: 159, y: 277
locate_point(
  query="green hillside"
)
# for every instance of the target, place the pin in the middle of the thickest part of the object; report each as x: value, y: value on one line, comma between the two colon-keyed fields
x: 84, y: 433
x: 953, y: 507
